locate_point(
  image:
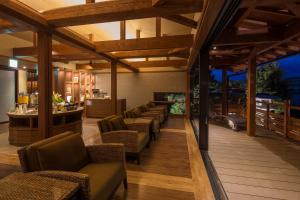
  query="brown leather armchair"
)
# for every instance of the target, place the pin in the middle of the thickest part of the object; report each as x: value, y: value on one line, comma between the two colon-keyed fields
x: 98, y: 169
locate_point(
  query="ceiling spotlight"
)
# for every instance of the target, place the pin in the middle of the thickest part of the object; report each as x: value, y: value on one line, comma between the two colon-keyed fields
x: 24, y: 67
x: 214, y: 48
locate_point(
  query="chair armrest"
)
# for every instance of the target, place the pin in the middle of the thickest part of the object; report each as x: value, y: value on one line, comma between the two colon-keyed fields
x: 106, y: 152
x: 81, y: 179
x: 126, y: 137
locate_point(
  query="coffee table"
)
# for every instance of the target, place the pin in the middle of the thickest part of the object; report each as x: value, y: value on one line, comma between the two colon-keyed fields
x: 25, y: 186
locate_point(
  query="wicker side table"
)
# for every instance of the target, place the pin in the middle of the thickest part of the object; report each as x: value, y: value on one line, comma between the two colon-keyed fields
x: 20, y: 186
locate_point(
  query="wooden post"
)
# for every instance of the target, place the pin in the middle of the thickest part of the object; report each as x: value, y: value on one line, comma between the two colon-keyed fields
x: 158, y: 27
x: 114, y: 87
x: 268, y: 116
x: 251, y: 98
x: 122, y: 30
x: 203, y: 101
x: 188, y: 95
x: 286, y: 117
x: 224, y: 92
x: 45, y: 84
x: 138, y: 34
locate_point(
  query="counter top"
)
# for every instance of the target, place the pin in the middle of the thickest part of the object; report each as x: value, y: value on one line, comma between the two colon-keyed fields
x: 27, y: 115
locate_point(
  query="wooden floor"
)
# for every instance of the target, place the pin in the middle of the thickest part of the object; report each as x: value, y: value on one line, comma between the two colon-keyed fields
x: 255, y: 168
x: 171, y: 169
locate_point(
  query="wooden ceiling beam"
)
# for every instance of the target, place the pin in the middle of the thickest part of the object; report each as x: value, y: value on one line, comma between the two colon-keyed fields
x: 182, y: 20
x: 166, y: 42
x: 109, y: 11
x: 158, y: 2
x: 139, y: 64
x: 15, y: 11
x: 65, y: 53
x: 229, y: 37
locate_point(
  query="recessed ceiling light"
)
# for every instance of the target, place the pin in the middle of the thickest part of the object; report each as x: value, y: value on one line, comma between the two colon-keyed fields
x: 24, y: 67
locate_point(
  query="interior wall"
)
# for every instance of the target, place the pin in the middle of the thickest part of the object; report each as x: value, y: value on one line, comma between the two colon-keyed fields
x: 7, y: 93
x: 138, y: 88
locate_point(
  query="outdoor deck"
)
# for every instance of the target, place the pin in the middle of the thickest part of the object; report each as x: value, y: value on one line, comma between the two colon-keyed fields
x: 255, y: 168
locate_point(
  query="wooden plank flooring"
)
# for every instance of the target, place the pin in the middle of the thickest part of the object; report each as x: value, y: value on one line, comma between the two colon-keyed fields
x: 263, y: 167
x: 171, y: 169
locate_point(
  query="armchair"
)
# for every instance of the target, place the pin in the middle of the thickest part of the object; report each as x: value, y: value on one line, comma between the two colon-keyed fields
x: 113, y: 129
x: 98, y: 169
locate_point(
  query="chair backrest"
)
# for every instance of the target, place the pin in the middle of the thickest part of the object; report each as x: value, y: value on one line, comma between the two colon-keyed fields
x: 104, y: 124
x: 65, y: 151
x: 117, y: 123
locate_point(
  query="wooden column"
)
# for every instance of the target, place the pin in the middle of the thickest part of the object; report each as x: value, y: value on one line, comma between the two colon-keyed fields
x: 224, y: 92
x: 251, y: 98
x: 114, y: 95
x: 122, y: 30
x: 138, y: 34
x: 158, y: 27
x: 203, y: 101
x: 188, y: 95
x: 44, y: 83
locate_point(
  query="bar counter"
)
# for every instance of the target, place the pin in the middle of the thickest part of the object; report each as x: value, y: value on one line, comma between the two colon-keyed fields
x: 23, y: 128
x: 100, y: 108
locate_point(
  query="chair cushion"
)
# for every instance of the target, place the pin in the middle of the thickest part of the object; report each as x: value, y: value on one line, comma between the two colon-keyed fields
x: 117, y: 123
x: 31, y: 151
x: 104, y: 178
x: 143, y: 139
x: 68, y: 154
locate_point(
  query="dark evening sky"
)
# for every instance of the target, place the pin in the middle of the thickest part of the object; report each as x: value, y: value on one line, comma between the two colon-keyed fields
x: 289, y: 65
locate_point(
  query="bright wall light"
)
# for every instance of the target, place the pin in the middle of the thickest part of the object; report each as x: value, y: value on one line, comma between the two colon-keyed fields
x: 13, y: 63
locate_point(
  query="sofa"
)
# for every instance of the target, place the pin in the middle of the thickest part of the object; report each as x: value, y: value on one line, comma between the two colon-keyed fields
x: 98, y: 169
x: 135, y: 137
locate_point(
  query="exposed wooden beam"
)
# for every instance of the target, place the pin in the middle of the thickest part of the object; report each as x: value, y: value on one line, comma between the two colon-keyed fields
x: 293, y: 7
x: 229, y: 37
x: 167, y: 42
x: 158, y: 27
x: 109, y: 11
x: 89, y: 1
x: 18, y: 12
x: 182, y: 20
x: 139, y: 64
x: 158, y: 2
x: 122, y: 30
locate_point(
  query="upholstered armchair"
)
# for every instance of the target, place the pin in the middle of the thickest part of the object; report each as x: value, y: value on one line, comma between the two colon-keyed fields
x: 135, y: 137
x: 154, y: 119
x: 153, y: 107
x: 144, y: 110
x: 98, y: 169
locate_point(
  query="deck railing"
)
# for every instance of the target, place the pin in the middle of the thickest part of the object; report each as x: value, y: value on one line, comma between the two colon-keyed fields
x: 267, y: 118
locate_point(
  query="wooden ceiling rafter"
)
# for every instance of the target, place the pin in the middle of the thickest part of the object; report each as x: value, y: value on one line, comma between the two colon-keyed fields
x: 137, y: 64
x: 17, y: 12
x: 109, y: 11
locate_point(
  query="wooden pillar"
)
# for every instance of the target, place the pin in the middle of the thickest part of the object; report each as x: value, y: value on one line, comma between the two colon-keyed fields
x: 251, y: 98
x: 122, y: 30
x: 138, y: 34
x: 158, y: 27
x: 203, y: 101
x: 188, y: 95
x: 114, y: 95
x: 224, y: 92
x: 44, y: 84
x: 287, y: 108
